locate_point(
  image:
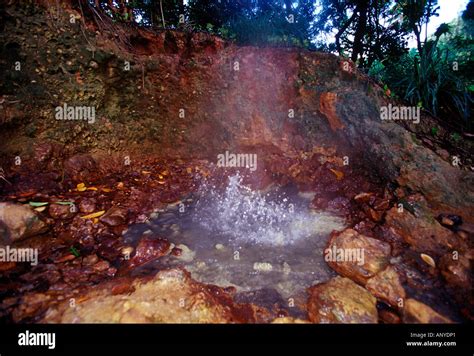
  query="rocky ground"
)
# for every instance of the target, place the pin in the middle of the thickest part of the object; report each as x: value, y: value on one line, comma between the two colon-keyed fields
x: 71, y: 189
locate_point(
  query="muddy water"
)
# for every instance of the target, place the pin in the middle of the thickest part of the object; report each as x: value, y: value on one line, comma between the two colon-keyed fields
x: 247, y: 239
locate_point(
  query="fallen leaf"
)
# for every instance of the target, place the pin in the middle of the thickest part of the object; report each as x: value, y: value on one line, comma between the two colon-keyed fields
x: 74, y: 251
x: 165, y: 172
x: 92, y: 188
x: 339, y: 175
x: 119, y: 185
x: 40, y: 209
x: 38, y: 203
x: 363, y: 197
x: 428, y: 259
x: 94, y: 215
x: 81, y: 187
x: 189, y: 170
x: 161, y: 182
x: 146, y: 172
x: 64, y: 202
x: 106, y: 190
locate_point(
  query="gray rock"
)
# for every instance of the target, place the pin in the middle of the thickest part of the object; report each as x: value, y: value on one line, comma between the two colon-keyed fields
x: 18, y: 222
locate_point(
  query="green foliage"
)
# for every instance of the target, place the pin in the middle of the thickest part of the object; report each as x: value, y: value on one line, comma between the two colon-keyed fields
x: 265, y: 29
x: 429, y: 79
x: 377, y: 70
x: 459, y: 46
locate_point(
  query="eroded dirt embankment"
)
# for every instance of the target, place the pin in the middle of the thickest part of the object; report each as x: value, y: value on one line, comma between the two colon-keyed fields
x: 166, y: 103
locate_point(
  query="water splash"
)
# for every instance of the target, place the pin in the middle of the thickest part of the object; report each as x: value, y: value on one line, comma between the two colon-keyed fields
x: 249, y: 216
x: 275, y: 229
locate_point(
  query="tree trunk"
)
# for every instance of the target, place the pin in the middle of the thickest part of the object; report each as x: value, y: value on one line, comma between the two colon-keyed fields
x: 162, y: 14
x: 342, y: 30
x: 358, y: 45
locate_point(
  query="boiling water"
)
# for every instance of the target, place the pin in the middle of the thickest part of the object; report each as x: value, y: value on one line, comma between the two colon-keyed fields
x: 250, y: 217
x: 247, y: 239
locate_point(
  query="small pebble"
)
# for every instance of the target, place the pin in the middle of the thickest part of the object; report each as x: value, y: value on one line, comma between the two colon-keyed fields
x: 262, y: 266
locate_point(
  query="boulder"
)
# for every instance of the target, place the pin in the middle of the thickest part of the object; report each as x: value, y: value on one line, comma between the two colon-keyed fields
x: 356, y: 256
x: 341, y: 301
x: 415, y: 312
x: 420, y: 230
x: 386, y: 286
x: 169, y: 297
x: 18, y: 222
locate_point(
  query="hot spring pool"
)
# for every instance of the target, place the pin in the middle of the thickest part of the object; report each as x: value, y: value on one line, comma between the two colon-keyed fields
x: 244, y: 238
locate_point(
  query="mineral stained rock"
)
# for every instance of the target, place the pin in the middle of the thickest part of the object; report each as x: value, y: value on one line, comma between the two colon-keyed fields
x: 420, y: 229
x: 416, y: 312
x: 341, y: 301
x: 356, y: 256
x: 171, y: 296
x: 386, y: 286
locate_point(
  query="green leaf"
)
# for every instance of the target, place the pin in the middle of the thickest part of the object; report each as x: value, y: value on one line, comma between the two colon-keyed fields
x: 455, y: 136
x: 74, y: 251
x: 64, y: 202
x: 38, y: 203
